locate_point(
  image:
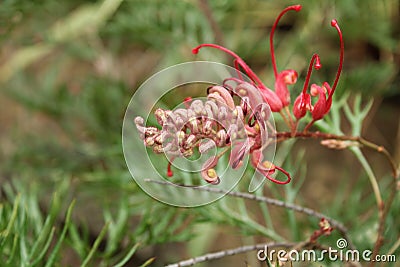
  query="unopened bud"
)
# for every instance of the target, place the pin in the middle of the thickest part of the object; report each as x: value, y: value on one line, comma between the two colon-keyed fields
x: 187, y: 152
x: 149, y: 141
x: 158, y: 149
x: 221, y: 136
x: 190, y: 141
x: 194, y: 125
x: 205, y: 146
x: 151, y: 131
x: 222, y: 113
x: 207, y: 127
x: 160, y: 116
x: 216, y: 97
x: 180, y: 136
x: 336, y: 144
x: 197, y: 107
x: 159, y: 139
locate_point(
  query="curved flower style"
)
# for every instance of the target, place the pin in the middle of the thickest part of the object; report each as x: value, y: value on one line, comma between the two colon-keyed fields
x: 245, y: 126
x: 221, y: 123
x: 323, y: 104
x: 280, y: 98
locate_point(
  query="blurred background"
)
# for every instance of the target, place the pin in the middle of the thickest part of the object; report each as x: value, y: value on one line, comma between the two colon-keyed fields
x: 67, y: 72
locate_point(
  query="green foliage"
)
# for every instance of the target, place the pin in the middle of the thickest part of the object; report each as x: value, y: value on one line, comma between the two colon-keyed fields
x: 68, y: 70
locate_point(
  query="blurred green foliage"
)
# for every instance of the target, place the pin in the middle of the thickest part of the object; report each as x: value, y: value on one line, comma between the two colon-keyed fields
x: 68, y: 70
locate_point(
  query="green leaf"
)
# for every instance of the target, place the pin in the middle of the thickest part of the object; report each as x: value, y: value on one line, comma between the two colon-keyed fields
x: 127, y: 256
x: 52, y: 258
x: 95, y: 245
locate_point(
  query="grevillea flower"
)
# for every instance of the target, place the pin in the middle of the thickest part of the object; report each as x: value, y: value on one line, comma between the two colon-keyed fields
x: 219, y: 121
x: 279, y: 98
x: 303, y: 101
x: 243, y: 127
x: 324, y: 92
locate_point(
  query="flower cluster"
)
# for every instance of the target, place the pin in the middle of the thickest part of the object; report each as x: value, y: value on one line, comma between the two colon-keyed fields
x: 219, y: 122
x: 279, y: 99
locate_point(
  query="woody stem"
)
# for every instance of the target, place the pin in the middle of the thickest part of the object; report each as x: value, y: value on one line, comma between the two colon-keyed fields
x: 308, y: 126
x: 281, y: 136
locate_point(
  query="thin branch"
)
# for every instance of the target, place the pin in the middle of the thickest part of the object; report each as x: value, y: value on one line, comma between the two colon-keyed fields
x: 384, y: 208
x: 336, y: 224
x: 382, y: 219
x: 281, y: 136
x: 228, y: 252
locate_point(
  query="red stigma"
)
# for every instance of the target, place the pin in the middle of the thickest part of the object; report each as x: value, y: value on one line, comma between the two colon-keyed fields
x: 271, y: 36
x: 169, y: 171
x: 195, y: 50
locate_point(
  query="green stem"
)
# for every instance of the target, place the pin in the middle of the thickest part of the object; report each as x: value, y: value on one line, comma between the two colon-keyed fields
x: 371, y: 176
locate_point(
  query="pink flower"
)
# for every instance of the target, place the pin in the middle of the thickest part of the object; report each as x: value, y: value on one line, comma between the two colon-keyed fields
x: 243, y: 126
x: 267, y: 168
x: 285, y: 78
x: 280, y: 97
x: 208, y: 172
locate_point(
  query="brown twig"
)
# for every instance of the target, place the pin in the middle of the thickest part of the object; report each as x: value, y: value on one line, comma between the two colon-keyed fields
x: 281, y: 136
x: 384, y: 208
x: 339, y: 226
x: 382, y: 219
x: 228, y: 252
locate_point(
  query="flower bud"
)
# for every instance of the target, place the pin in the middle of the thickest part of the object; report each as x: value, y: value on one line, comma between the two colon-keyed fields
x: 228, y: 100
x: 160, y: 116
x: 189, y: 142
x: 149, y: 141
x: 208, y: 172
x: 197, y: 107
x: 221, y: 137
x: 207, y: 127
x: 283, y: 79
x: 206, y: 146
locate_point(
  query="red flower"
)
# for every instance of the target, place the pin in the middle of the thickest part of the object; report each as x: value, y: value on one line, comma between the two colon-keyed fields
x: 243, y: 126
x: 324, y: 92
x: 280, y: 97
x: 285, y: 77
x: 303, y: 101
x: 267, y: 168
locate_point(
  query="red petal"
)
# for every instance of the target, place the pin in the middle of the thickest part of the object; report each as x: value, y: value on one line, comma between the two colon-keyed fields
x: 283, y: 79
